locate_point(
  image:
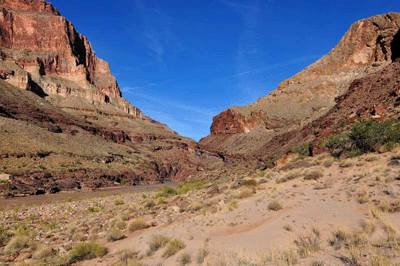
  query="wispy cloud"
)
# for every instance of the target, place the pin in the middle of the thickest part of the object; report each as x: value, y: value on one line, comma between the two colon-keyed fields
x: 162, y: 101
x: 154, y: 30
x: 269, y: 67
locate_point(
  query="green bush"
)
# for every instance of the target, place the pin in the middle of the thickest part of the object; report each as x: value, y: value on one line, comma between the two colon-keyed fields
x: 86, y: 251
x: 268, y: 164
x: 365, y: 136
x: 303, y: 150
x: 166, y: 192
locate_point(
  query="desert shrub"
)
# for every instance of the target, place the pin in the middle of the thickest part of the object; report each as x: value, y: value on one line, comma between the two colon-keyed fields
x: 308, y: 244
x: 184, y: 259
x: 4, y: 235
x: 173, y: 247
x: 191, y: 185
x: 138, y: 224
x: 149, y: 204
x: 275, y: 205
x: 313, y: 175
x: 201, y: 255
x: 249, y: 183
x: 43, y: 253
x: 365, y: 136
x: 166, y: 192
x: 114, y: 235
x: 156, y: 242
x: 245, y: 192
x: 288, y: 176
x: 303, y: 150
x: 86, y: 251
x: 17, y: 243
x: 268, y: 164
x: 127, y: 257
x: 118, y: 202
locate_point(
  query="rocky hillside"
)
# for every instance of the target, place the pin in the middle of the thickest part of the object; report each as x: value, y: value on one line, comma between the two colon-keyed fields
x: 367, y: 49
x: 63, y: 121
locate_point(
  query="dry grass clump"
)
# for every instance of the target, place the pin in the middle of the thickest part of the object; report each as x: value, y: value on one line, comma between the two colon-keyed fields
x: 17, y: 243
x: 86, y: 251
x: 363, y: 197
x: 291, y: 175
x: 345, y: 163
x: 202, y: 253
x: 138, y: 224
x: 249, y: 183
x: 371, y: 158
x: 275, y: 205
x: 340, y: 237
x: 368, y: 226
x: 313, y: 174
x: 325, y: 185
x: 173, y: 247
x: 308, y: 244
x: 246, y: 192
x: 156, y: 242
x: 128, y: 258
x: 328, y: 162
x: 184, y: 259
x: 114, y: 235
x: 43, y: 253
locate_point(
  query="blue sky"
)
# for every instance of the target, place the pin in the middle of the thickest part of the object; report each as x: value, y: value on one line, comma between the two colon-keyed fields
x: 183, y: 61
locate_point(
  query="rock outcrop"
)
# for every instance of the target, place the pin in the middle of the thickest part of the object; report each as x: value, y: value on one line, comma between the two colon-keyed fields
x: 37, y: 42
x: 367, y: 47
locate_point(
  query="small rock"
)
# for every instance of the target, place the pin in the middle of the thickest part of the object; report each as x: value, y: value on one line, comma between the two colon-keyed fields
x: 208, y: 185
x: 262, y: 181
x: 394, y: 163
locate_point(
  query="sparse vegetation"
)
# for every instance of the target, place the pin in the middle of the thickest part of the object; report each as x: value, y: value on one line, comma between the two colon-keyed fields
x: 275, y: 205
x: 86, y: 251
x: 156, y: 242
x: 114, y: 235
x: 173, y: 247
x: 138, y: 224
x: 365, y: 136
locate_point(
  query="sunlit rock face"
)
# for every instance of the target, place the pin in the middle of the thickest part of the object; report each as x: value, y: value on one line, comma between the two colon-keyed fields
x: 36, y: 41
x: 367, y: 47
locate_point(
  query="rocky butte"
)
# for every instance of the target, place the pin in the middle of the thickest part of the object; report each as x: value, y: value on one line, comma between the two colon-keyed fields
x: 368, y: 47
x: 63, y: 121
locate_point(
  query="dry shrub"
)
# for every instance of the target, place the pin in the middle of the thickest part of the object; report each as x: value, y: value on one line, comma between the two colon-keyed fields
x: 138, y: 224
x: 246, y: 192
x: 86, y: 251
x: 184, y: 259
x: 288, y: 176
x: 114, y: 235
x: 173, y: 247
x: 313, y: 174
x: 156, y: 242
x: 17, y: 243
x: 275, y: 205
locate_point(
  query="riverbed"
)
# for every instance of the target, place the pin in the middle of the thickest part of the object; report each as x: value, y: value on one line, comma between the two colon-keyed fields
x: 64, y: 196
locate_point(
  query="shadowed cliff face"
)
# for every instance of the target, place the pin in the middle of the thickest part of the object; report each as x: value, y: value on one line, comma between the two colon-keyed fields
x: 367, y: 47
x: 395, y: 47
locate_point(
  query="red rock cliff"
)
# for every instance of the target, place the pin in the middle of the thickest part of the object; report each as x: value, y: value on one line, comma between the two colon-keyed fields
x: 365, y: 48
x: 45, y: 46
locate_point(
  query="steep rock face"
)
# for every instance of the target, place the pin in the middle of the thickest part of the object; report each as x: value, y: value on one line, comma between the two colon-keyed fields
x: 366, y: 48
x: 60, y: 60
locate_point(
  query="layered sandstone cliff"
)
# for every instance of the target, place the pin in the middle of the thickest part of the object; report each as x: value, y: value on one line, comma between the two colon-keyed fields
x: 367, y: 47
x: 38, y: 45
